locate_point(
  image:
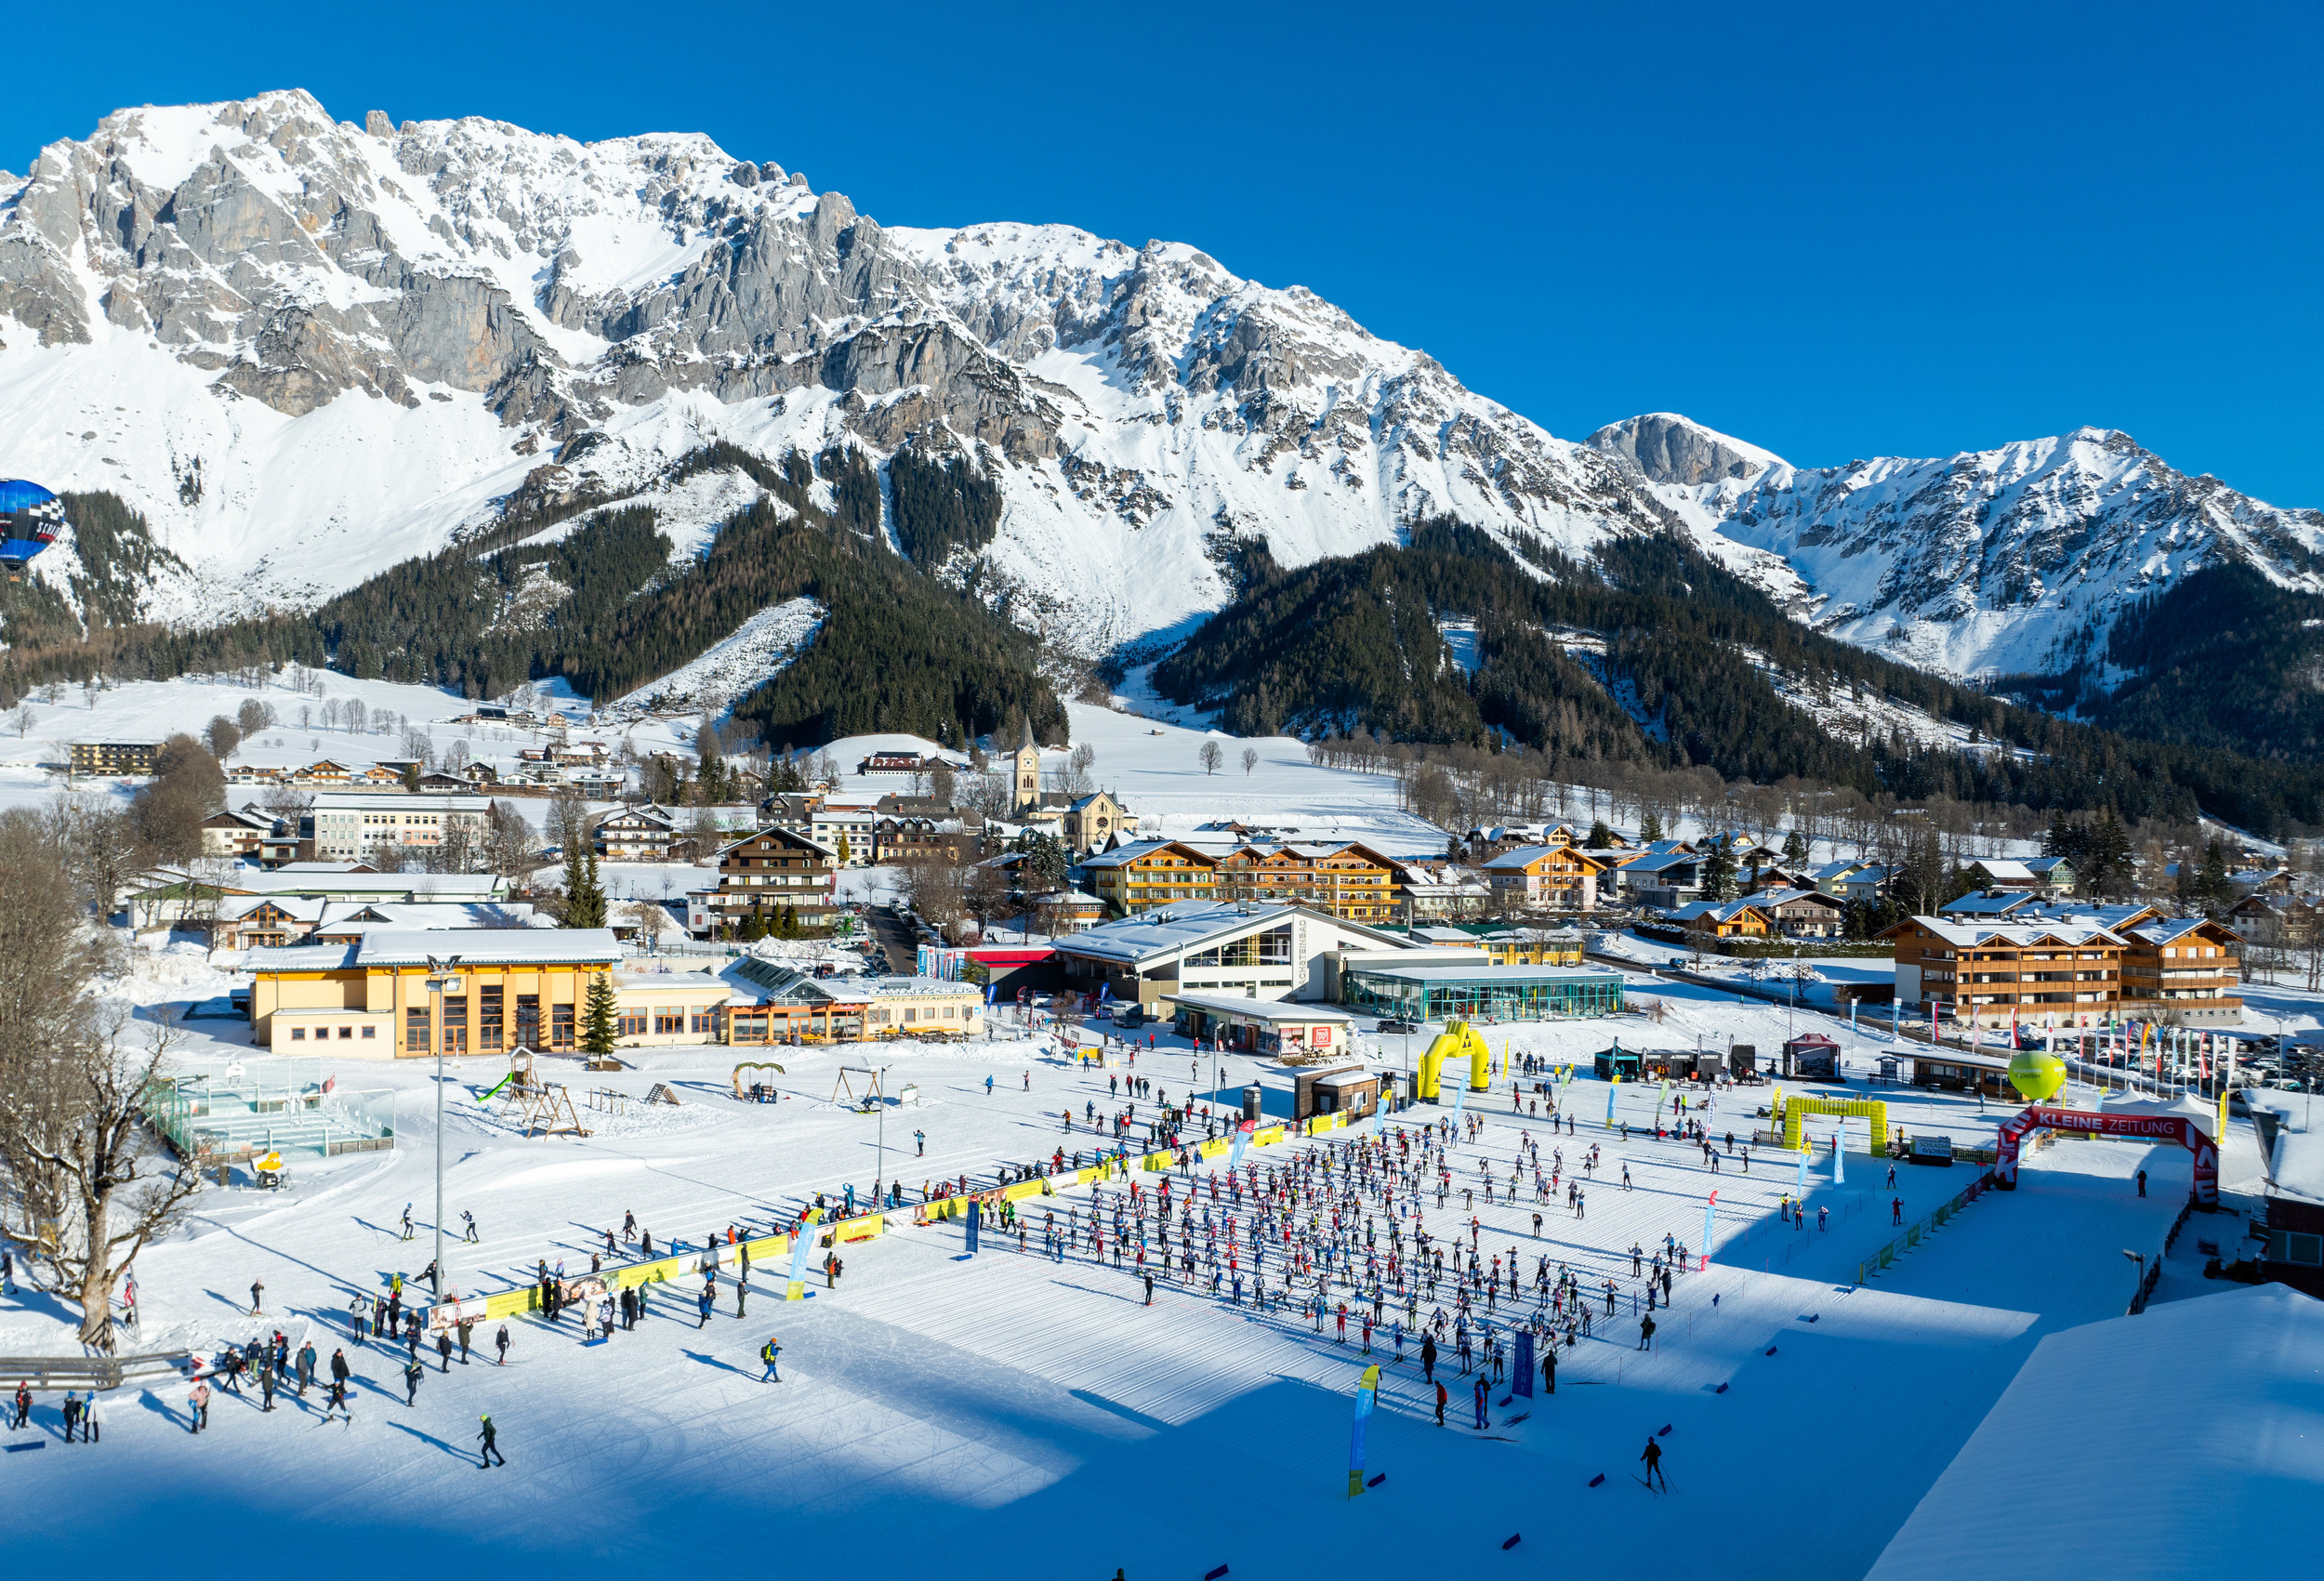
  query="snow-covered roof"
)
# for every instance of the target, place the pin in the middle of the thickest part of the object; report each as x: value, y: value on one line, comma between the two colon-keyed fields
x: 2068, y: 930
x: 2203, y: 1465
x: 1167, y: 930
x: 1662, y: 862
x: 1765, y: 898
x: 2003, y: 867
x: 488, y: 946
x: 1525, y: 856
x: 1713, y: 911
x: 1273, y: 1011
x: 1989, y: 902
x: 1460, y: 972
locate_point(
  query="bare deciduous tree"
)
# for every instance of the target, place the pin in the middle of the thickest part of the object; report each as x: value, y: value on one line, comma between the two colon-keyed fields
x: 85, y: 1182
x: 1250, y: 759
x: 1210, y: 757
x: 650, y: 918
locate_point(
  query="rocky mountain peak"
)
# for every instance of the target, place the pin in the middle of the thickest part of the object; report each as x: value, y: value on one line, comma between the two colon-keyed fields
x: 1672, y: 449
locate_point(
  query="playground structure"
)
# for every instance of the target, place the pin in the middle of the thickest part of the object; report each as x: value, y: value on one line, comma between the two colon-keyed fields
x: 606, y: 1101
x: 2121, y: 1127
x: 757, y: 1088
x: 542, y: 1109
x: 1798, y: 1106
x: 1456, y: 1039
x: 872, y: 1096
x: 662, y: 1092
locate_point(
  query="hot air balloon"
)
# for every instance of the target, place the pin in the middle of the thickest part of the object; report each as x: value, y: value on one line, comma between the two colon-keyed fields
x: 30, y: 518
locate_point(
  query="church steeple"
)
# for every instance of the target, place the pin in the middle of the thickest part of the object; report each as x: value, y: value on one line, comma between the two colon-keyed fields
x: 1027, y: 768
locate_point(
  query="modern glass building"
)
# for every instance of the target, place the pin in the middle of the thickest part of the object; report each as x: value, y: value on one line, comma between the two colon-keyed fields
x: 1437, y: 992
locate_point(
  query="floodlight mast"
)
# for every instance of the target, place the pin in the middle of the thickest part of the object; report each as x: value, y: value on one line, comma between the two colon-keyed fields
x: 437, y: 982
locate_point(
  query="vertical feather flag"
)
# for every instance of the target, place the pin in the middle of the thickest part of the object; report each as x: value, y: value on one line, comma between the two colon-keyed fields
x: 1366, y: 1396
x: 802, y: 1242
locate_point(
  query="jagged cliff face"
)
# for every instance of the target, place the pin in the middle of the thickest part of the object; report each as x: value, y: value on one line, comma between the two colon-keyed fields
x: 362, y: 338
x: 309, y: 348
x: 2017, y: 559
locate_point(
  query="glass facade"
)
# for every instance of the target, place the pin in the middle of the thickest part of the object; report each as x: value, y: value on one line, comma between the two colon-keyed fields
x: 1269, y: 948
x: 1508, y: 994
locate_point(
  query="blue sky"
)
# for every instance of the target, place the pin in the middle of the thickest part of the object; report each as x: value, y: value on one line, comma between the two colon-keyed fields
x: 1836, y: 232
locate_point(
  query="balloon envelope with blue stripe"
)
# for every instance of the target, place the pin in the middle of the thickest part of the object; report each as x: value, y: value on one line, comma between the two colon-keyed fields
x: 31, y: 518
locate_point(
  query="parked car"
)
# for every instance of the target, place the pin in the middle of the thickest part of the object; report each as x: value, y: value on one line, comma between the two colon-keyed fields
x: 1397, y: 1026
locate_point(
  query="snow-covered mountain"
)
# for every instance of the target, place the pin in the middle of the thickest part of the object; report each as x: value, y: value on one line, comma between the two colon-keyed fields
x: 307, y: 349
x: 2012, y: 559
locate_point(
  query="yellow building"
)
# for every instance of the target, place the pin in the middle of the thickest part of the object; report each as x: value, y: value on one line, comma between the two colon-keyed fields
x: 1133, y: 878
x: 775, y: 1003
x: 661, y: 1009
x: 510, y: 987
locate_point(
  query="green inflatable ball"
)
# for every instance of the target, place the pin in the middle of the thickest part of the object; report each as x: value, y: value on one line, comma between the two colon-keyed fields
x: 2037, y: 1075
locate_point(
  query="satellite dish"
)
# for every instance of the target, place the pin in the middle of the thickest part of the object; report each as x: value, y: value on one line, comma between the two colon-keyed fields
x: 31, y: 518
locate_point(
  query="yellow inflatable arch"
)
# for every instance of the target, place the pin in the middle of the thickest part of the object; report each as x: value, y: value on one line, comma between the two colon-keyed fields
x: 1457, y: 1039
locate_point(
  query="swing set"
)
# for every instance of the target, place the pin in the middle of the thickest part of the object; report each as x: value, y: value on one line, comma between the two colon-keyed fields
x: 872, y: 1096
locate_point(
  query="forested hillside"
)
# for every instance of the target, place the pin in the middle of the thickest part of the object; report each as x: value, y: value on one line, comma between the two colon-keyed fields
x: 603, y: 606
x: 1353, y: 643
x: 2224, y: 659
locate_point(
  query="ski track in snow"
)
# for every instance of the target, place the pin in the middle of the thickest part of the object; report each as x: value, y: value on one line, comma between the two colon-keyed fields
x: 1008, y: 1411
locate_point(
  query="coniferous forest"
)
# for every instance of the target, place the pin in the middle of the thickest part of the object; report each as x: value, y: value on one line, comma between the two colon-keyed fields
x: 603, y: 607
x: 1353, y: 643
x: 1649, y: 653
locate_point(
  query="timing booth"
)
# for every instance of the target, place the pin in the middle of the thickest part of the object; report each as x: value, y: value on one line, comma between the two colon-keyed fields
x: 1812, y: 1057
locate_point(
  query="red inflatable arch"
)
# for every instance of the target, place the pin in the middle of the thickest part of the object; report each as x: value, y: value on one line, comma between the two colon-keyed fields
x: 2129, y: 1127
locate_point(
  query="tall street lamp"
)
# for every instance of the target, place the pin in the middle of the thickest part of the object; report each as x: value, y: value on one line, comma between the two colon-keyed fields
x: 879, y: 1182
x: 438, y: 983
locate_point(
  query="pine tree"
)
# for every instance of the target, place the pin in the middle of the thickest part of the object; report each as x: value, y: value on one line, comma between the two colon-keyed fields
x: 1719, y: 873
x: 1795, y: 846
x: 585, y: 897
x: 597, y: 1018
x: 1649, y: 827
x: 1601, y: 837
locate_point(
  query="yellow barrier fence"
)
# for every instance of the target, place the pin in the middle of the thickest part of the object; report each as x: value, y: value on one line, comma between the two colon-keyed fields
x: 863, y: 1227
x: 661, y: 1271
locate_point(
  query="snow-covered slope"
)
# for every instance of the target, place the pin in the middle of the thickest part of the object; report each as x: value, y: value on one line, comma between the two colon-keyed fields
x: 307, y: 349
x: 362, y: 339
x: 2017, y: 559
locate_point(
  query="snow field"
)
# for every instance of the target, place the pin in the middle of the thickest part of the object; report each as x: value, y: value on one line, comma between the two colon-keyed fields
x: 1010, y: 1413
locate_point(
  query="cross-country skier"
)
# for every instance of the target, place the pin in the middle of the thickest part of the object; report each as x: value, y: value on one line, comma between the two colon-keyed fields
x: 770, y: 1352
x: 490, y: 1440
x: 1652, y: 1455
